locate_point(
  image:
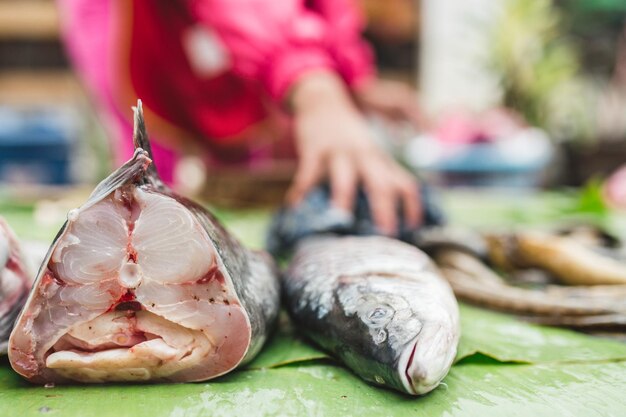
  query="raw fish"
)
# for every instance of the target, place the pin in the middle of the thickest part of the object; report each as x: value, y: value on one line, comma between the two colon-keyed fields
x: 379, y: 305
x: 15, y: 282
x: 141, y: 284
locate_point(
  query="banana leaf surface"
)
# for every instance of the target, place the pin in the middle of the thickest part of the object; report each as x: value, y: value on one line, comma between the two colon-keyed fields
x: 504, y: 367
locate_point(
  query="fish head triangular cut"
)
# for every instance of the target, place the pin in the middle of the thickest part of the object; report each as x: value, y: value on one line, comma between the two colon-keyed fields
x: 135, y: 287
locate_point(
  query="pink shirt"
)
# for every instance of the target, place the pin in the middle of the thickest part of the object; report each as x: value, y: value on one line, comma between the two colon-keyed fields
x: 214, y: 69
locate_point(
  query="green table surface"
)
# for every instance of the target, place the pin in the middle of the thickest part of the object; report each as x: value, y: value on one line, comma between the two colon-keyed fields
x: 504, y: 367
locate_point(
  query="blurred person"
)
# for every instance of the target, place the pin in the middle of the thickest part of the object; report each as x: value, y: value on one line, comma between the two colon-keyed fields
x: 228, y: 77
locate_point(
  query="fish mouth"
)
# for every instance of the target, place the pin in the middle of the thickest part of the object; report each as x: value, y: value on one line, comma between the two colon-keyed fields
x: 427, y: 359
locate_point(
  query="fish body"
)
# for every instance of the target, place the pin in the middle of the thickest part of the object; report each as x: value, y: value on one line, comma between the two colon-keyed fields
x: 379, y: 305
x: 141, y: 284
x: 15, y: 281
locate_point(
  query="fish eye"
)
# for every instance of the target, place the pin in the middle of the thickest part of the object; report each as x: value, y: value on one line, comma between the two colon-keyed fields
x: 377, y: 313
x: 380, y: 315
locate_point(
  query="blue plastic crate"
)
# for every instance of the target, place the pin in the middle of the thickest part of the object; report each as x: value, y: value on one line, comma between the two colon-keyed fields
x: 35, y: 147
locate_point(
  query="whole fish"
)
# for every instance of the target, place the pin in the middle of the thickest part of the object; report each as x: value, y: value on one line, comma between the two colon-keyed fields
x: 141, y: 284
x: 15, y: 282
x: 379, y: 305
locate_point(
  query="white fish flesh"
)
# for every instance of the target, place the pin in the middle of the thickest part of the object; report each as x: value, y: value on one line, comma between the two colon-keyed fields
x: 143, y: 285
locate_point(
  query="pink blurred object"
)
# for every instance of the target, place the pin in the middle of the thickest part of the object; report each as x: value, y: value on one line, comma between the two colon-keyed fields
x: 615, y: 189
x: 88, y: 31
x: 216, y: 70
x: 457, y: 128
x: 460, y: 127
x: 493, y: 148
x: 501, y: 122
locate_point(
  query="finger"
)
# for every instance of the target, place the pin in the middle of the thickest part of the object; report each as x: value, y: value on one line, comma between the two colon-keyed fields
x: 411, y: 202
x: 343, y: 181
x: 412, y: 111
x: 309, y: 172
x: 381, y: 198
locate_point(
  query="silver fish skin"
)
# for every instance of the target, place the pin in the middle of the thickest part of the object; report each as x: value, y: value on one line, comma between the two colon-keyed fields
x: 377, y: 304
x: 141, y: 284
x: 15, y: 281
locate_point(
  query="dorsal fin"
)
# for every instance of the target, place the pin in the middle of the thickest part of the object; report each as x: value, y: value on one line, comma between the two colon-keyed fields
x: 140, y: 138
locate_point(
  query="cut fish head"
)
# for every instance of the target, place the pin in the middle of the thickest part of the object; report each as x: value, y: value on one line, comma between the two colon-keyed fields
x: 134, y: 288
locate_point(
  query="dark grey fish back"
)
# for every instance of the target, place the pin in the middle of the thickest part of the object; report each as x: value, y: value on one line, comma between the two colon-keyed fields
x: 316, y: 215
x: 314, y: 271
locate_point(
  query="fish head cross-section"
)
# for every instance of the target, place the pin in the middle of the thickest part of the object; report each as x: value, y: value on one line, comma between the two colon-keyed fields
x: 143, y: 285
x: 133, y: 290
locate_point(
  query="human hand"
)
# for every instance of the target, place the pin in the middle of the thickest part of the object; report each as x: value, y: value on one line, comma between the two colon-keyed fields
x: 334, y: 143
x: 392, y: 99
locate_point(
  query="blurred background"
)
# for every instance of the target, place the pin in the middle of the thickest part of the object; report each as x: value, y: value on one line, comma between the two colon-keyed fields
x: 517, y: 93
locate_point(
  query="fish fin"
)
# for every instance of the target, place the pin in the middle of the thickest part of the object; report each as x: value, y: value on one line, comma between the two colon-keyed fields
x: 141, y: 140
x: 140, y: 168
x: 135, y: 168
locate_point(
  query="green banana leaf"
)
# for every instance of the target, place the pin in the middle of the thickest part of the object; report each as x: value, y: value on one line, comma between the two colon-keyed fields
x: 286, y: 347
x: 592, y: 389
x: 506, y: 339
x: 504, y: 367
x: 485, y: 337
x: 615, y: 6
